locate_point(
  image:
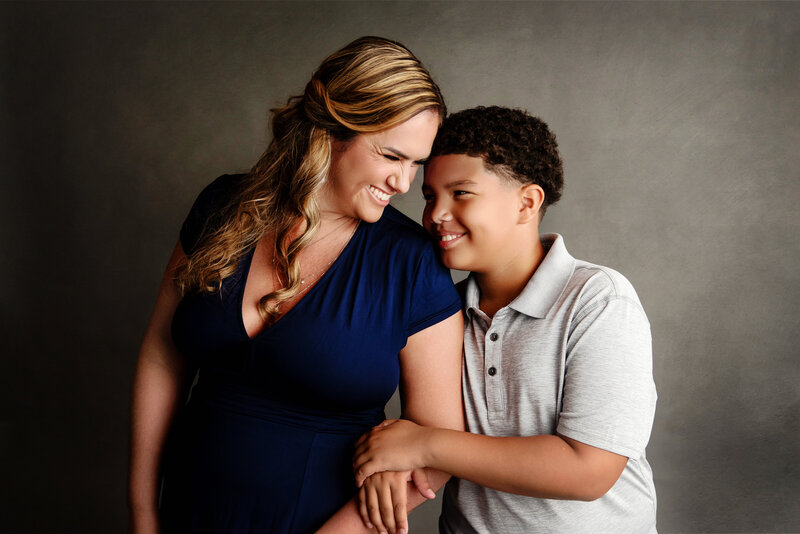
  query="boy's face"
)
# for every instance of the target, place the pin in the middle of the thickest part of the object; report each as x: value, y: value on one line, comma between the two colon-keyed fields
x: 471, y: 212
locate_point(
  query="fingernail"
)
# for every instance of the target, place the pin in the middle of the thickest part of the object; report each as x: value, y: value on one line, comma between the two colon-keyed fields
x: 431, y: 494
x: 369, y: 525
x: 402, y: 531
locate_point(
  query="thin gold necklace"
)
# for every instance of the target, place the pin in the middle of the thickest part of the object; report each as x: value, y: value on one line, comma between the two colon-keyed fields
x: 318, y: 274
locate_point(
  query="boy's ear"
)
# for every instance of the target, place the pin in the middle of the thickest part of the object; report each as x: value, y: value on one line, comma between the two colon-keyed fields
x: 531, y: 198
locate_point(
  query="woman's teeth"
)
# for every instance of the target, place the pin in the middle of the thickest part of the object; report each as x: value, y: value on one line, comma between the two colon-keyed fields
x: 449, y: 237
x: 379, y: 194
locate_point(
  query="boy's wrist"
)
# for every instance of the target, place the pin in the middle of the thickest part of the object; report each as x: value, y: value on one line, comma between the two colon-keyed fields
x: 430, y: 443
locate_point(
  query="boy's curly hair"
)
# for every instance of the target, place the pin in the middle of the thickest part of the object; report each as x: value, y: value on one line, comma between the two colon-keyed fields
x: 512, y: 144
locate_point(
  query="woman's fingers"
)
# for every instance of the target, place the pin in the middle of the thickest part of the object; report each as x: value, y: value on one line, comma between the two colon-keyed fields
x: 374, y: 509
x: 362, y: 507
x: 383, y: 502
x: 386, y: 507
x: 420, y: 478
x: 400, y: 504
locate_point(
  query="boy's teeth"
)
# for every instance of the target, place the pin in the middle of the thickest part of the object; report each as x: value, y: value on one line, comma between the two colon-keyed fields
x: 378, y: 193
x: 449, y: 237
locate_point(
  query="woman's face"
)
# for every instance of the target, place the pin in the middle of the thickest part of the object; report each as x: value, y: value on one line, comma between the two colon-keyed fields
x: 371, y: 168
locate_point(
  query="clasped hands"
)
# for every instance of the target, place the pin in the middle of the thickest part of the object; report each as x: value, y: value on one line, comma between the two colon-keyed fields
x: 388, y: 460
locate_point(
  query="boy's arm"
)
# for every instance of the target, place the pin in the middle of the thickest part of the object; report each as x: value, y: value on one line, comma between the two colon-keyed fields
x: 547, y: 466
x: 608, y: 405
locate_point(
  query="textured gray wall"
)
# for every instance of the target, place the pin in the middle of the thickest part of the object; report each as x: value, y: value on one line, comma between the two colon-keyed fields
x: 676, y: 122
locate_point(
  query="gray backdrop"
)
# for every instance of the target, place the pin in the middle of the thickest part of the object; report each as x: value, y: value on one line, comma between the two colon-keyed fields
x: 676, y: 122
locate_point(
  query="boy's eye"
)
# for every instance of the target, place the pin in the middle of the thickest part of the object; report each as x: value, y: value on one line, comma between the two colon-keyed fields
x: 391, y: 157
x: 427, y: 197
x: 458, y: 193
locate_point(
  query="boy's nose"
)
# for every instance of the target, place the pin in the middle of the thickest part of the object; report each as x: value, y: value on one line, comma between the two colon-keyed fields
x: 440, y: 214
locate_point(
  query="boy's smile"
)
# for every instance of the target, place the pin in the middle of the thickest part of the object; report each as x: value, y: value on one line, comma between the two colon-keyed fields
x: 472, y: 213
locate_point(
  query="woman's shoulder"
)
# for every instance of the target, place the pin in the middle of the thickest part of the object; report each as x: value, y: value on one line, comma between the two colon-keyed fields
x: 209, y: 209
x: 398, y: 240
x: 396, y: 224
x: 218, y: 192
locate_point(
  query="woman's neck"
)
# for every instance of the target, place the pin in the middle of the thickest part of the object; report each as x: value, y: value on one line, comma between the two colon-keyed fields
x: 329, y: 224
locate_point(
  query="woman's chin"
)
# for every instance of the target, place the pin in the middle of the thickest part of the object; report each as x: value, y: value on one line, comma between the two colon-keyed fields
x: 371, y: 214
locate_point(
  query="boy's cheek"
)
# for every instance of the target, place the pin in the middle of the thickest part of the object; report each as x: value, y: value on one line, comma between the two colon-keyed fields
x: 426, y: 222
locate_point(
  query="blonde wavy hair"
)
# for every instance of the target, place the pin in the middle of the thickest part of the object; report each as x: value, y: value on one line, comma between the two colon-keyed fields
x: 369, y: 85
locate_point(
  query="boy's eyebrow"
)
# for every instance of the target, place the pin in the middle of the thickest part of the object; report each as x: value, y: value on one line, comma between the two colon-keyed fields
x: 396, y: 152
x: 457, y: 183
x: 452, y: 185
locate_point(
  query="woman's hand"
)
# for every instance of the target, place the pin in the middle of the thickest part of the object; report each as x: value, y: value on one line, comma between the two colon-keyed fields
x: 394, y: 445
x: 383, y: 499
x: 383, y: 502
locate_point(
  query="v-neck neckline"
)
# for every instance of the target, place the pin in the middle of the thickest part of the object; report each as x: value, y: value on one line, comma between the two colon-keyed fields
x: 322, y: 279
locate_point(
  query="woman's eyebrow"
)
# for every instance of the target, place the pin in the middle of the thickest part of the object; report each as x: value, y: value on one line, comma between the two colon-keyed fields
x: 398, y: 153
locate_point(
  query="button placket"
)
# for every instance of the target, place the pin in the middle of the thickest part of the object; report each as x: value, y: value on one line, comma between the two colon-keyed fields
x: 494, y: 385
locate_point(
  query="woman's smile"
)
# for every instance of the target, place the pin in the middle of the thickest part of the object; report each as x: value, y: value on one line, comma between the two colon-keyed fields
x: 367, y: 171
x: 380, y: 196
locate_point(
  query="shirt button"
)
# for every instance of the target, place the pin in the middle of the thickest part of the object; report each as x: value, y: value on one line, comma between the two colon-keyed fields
x: 493, y: 336
x: 492, y: 371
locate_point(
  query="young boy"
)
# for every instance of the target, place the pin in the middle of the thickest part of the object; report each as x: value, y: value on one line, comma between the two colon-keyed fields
x: 557, y: 376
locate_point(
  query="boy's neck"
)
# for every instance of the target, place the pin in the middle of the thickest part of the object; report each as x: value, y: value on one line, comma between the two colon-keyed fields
x: 501, y: 284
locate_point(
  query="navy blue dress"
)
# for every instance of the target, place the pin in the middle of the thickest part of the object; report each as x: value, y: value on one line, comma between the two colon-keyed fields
x: 265, y: 442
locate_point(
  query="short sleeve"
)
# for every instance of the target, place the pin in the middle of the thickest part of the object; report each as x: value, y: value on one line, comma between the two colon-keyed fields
x: 433, y: 295
x: 205, y: 215
x: 609, y: 395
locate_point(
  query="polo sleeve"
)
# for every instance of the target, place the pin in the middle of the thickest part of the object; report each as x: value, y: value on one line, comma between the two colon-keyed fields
x: 433, y: 295
x: 204, y: 215
x: 609, y: 396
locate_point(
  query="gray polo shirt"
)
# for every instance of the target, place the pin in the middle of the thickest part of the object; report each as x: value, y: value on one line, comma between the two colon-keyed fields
x: 570, y: 355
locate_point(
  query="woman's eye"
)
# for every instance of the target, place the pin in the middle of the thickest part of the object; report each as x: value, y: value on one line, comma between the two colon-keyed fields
x: 458, y: 193
x: 391, y: 158
x: 427, y: 198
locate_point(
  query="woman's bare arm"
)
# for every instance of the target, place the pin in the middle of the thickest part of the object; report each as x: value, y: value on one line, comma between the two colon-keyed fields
x: 430, y: 391
x: 162, y: 378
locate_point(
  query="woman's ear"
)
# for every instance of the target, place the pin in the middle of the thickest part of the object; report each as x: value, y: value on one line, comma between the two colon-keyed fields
x: 531, y: 198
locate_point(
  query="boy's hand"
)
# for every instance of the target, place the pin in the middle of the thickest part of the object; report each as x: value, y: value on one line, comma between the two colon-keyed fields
x: 394, y: 445
x: 383, y: 499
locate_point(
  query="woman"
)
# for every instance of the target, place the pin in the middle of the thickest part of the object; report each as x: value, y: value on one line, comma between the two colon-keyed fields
x: 293, y: 289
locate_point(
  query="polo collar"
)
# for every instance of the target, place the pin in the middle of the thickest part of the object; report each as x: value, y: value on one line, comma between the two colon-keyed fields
x: 545, y: 286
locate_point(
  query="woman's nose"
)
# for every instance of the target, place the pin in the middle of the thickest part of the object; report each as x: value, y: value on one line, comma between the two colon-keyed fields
x: 401, y: 179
